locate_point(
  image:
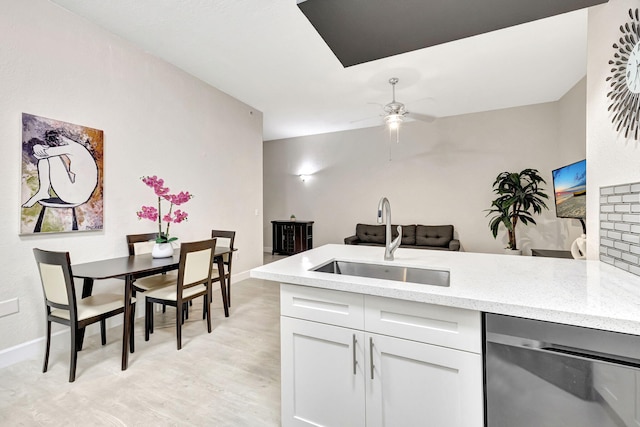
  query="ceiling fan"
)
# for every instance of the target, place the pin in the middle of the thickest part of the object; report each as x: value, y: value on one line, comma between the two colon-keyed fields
x: 396, y: 111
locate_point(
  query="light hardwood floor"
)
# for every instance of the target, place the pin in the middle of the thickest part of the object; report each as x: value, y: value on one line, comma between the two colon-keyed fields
x: 230, y: 377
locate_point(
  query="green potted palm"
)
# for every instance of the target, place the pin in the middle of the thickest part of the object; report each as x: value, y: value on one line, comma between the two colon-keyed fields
x: 519, y: 197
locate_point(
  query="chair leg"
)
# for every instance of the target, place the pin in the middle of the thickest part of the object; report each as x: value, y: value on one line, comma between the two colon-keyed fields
x: 228, y: 290
x: 80, y: 339
x: 164, y: 306
x: 179, y: 321
x: 223, y: 291
x: 148, y: 319
x: 47, y: 347
x: 206, y: 302
x: 74, y: 354
x: 103, y: 331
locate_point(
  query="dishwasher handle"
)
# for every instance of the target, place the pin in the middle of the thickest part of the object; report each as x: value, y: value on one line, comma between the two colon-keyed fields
x: 550, y: 348
x: 593, y: 356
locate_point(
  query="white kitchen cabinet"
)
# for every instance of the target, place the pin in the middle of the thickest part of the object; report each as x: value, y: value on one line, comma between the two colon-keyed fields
x: 417, y: 384
x: 341, y: 367
x: 322, y: 374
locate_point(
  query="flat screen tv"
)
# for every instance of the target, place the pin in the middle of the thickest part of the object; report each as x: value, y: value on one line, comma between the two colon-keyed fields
x: 570, y: 190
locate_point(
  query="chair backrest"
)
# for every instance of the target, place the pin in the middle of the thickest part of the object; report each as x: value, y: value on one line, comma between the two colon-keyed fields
x: 57, y: 280
x: 196, y: 264
x: 225, y: 238
x: 141, y: 243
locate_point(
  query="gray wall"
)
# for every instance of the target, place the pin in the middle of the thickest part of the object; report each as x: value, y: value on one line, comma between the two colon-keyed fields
x: 439, y: 173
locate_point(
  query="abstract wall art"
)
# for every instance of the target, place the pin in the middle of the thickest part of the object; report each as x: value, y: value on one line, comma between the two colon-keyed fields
x: 62, y: 177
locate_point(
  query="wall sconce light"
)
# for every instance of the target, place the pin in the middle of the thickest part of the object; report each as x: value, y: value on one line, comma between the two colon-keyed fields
x: 303, y: 178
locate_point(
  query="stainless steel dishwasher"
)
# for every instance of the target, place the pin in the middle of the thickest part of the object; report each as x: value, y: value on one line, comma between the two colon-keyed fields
x: 542, y: 374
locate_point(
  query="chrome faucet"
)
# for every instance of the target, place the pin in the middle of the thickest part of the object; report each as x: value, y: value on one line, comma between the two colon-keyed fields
x: 384, y: 207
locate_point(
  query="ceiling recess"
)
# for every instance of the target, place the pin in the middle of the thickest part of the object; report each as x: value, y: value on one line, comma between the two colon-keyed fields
x: 359, y: 31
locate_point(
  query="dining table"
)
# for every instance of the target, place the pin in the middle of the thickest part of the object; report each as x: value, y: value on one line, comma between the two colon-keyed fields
x: 131, y: 268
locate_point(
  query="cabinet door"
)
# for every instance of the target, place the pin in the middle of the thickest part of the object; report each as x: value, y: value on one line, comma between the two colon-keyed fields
x: 322, y: 374
x: 415, y: 384
x: 288, y: 239
x: 278, y: 238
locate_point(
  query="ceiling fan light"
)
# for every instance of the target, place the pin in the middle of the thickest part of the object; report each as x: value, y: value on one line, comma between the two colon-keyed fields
x: 393, y: 120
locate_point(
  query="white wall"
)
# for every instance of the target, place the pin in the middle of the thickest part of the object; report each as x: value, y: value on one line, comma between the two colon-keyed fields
x: 156, y: 120
x: 611, y: 159
x: 439, y: 173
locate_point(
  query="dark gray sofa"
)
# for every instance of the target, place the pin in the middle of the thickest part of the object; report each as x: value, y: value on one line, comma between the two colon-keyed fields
x: 439, y: 237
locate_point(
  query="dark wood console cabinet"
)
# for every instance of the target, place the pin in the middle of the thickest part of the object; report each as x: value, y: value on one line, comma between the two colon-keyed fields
x: 291, y: 237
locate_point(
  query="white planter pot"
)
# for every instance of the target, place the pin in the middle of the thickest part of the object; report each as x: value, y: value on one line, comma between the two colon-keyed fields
x: 513, y: 251
x: 162, y: 250
x: 579, y: 247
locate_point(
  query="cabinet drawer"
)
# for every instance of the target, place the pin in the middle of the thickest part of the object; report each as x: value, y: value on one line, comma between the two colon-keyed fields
x: 433, y: 324
x: 322, y: 305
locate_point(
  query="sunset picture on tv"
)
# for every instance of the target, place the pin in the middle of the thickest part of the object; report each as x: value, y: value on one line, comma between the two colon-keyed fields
x: 570, y: 187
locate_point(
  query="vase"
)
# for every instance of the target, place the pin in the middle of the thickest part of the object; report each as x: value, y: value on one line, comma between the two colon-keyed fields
x: 162, y: 250
x: 579, y: 247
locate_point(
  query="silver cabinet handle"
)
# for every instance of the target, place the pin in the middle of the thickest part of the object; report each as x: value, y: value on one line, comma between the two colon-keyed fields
x: 355, y: 361
x: 371, y: 354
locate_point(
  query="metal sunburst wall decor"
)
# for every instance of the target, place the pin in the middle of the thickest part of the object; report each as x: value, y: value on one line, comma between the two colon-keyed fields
x: 625, y: 78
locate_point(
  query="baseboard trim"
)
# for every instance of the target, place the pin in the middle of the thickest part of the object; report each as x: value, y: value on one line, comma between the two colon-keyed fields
x: 29, y: 350
x: 34, y: 349
x: 239, y: 277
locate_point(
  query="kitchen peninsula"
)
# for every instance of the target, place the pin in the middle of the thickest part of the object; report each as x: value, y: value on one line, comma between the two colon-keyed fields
x: 378, y: 350
x: 575, y: 292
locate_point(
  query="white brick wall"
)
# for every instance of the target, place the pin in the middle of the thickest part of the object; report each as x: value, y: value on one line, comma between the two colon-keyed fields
x: 620, y: 226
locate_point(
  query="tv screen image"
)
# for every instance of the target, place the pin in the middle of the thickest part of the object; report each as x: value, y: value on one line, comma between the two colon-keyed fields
x: 570, y: 188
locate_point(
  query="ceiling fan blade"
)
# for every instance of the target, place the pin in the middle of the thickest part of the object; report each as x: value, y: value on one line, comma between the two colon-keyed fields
x: 422, y: 117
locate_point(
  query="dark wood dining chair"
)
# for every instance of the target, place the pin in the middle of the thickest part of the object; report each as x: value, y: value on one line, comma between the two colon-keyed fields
x: 193, y: 281
x: 225, y: 238
x: 143, y: 244
x: 63, y: 307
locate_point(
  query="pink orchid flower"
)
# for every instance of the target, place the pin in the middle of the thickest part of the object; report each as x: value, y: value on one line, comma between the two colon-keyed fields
x: 155, y: 214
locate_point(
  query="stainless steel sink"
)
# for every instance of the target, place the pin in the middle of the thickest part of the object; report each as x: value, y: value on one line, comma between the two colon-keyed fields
x: 422, y: 276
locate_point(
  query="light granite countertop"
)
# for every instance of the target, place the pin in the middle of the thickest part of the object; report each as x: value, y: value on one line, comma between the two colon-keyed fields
x: 576, y: 292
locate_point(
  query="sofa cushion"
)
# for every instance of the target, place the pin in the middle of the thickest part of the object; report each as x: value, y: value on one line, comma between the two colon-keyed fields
x: 434, y: 235
x: 370, y: 233
x: 408, y: 234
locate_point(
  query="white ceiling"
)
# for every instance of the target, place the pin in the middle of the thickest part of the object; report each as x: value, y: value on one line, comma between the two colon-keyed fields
x: 266, y: 54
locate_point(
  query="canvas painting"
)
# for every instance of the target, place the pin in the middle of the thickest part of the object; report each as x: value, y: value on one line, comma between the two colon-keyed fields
x: 62, y: 177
